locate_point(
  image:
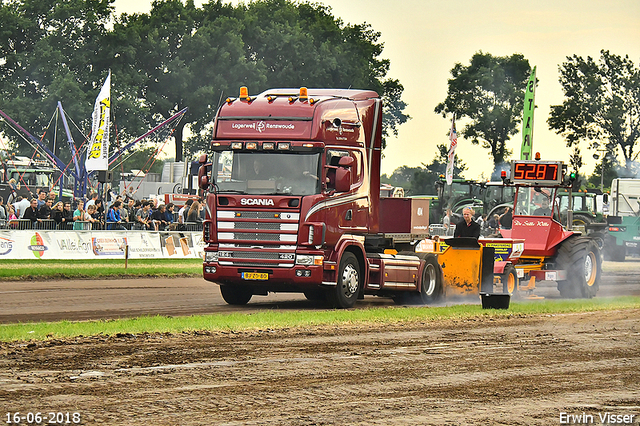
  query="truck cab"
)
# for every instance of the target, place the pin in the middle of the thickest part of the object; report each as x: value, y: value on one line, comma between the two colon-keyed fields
x: 295, y: 189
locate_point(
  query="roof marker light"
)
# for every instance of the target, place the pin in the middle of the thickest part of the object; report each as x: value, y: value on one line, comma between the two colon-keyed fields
x: 244, y: 93
x: 252, y: 145
x: 236, y: 145
x: 268, y: 146
x: 537, y: 156
x: 303, y: 94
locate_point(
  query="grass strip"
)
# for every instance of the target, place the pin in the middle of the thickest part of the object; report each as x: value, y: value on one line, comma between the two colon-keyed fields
x: 302, y: 319
x: 92, y: 268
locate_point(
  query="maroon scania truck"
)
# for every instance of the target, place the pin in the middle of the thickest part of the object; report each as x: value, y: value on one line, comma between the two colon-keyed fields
x: 292, y: 189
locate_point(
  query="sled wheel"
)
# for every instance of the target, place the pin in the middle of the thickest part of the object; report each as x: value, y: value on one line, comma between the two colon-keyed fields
x: 509, y: 280
x: 432, y: 278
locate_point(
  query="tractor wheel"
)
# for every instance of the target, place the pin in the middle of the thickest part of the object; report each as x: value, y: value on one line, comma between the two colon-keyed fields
x: 432, y: 279
x: 580, y: 222
x: 509, y: 279
x: 236, y: 295
x: 580, y: 258
x: 345, y: 294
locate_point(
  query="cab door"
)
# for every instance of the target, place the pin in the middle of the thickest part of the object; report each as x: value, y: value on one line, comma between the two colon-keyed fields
x: 349, y: 210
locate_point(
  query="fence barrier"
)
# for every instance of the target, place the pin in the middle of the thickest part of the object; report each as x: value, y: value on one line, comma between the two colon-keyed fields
x: 52, y: 225
x: 94, y: 244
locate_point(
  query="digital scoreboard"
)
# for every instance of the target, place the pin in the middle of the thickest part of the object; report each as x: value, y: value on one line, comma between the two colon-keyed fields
x: 534, y: 172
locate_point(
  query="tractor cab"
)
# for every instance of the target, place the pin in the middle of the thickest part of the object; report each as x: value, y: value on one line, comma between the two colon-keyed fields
x: 535, y: 219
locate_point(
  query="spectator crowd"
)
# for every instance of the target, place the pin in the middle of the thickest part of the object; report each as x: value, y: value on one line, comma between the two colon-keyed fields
x: 122, y: 213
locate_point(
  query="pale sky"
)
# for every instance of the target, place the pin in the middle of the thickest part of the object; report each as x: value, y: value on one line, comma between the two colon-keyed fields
x: 424, y: 39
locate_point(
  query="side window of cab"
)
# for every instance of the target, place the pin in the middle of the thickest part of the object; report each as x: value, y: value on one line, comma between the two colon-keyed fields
x: 333, y: 161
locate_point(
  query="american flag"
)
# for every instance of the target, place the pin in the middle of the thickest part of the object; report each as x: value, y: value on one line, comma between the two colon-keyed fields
x: 453, y: 138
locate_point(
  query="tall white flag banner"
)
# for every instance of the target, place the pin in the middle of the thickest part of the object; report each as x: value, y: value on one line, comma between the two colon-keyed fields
x: 453, y: 137
x: 98, y: 150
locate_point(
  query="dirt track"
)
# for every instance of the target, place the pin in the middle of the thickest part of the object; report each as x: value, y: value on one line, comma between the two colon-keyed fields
x: 516, y: 371
x: 32, y: 301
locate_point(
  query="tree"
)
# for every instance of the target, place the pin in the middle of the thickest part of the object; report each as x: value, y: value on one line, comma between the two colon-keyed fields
x: 179, y: 56
x: 439, y: 163
x: 490, y: 92
x: 198, y: 57
x: 303, y: 44
x: 47, y: 54
x: 183, y: 56
x: 421, y: 180
x: 602, y: 104
x: 604, y: 172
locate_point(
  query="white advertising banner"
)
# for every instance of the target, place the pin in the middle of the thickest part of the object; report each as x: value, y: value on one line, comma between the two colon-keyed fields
x: 26, y: 244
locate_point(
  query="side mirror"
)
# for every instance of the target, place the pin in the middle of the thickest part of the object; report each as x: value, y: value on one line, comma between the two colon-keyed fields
x: 203, y: 159
x: 203, y: 178
x: 605, y: 198
x: 343, y: 174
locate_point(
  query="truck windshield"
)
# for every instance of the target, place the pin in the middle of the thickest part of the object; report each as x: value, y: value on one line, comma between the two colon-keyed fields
x: 290, y: 173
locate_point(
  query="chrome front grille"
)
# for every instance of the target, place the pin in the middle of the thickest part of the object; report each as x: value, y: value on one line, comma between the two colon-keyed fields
x: 255, y: 255
x: 269, y: 226
x: 271, y: 234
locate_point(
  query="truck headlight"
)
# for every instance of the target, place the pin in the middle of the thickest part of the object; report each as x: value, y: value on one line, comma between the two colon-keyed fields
x: 305, y: 259
x: 211, y: 256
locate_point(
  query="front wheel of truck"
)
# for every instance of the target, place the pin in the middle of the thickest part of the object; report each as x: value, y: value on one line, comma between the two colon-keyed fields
x: 236, y: 295
x: 345, y: 293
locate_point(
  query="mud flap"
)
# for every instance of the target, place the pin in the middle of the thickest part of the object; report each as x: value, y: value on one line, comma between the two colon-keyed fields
x: 488, y: 259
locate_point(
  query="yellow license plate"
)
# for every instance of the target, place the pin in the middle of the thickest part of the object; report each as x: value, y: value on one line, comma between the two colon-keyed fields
x: 255, y: 276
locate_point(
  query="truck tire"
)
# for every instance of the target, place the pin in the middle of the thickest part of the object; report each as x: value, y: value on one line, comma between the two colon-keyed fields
x: 345, y: 293
x: 580, y: 258
x: 432, y: 279
x: 236, y: 295
x: 315, y: 295
x: 509, y: 279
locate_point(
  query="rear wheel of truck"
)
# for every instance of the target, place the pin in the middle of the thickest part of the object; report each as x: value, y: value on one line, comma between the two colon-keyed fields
x: 580, y: 258
x: 509, y: 279
x: 431, y: 284
x: 236, y: 295
x: 345, y: 293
